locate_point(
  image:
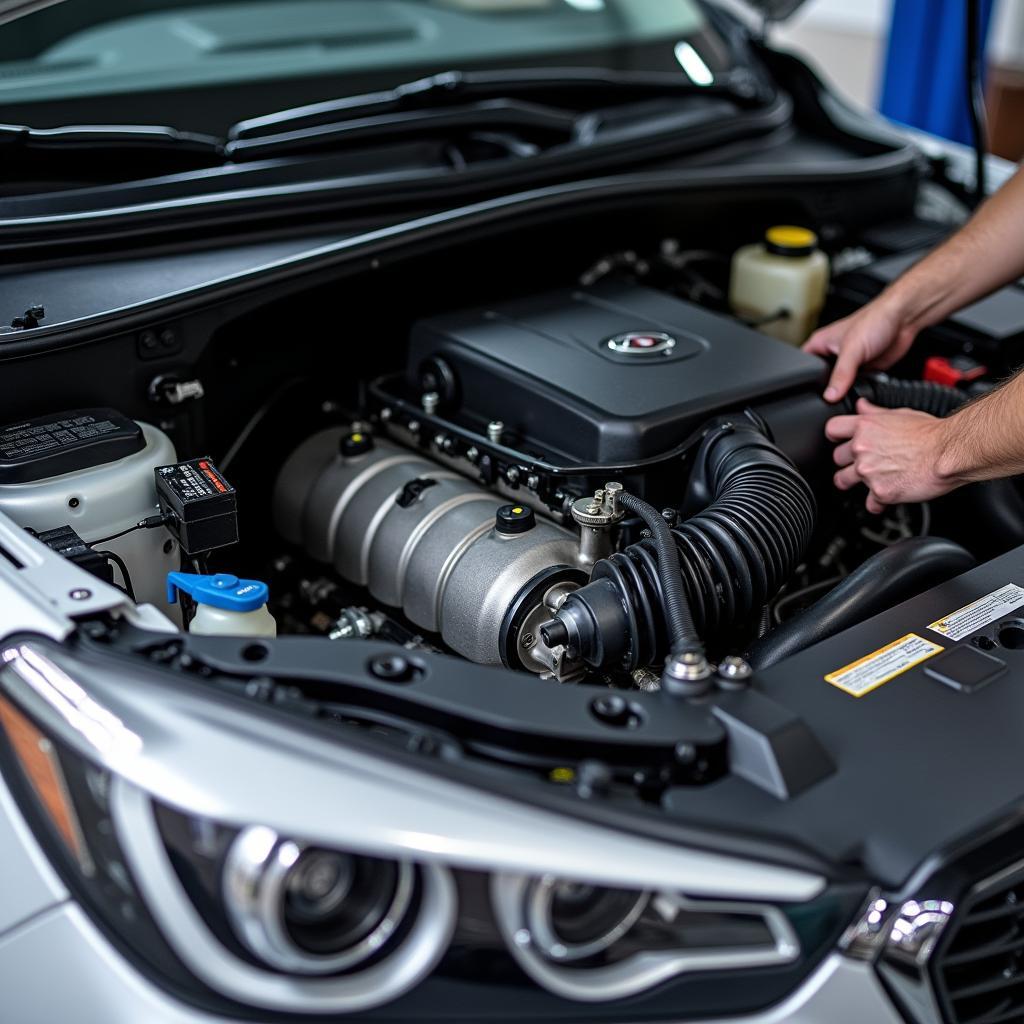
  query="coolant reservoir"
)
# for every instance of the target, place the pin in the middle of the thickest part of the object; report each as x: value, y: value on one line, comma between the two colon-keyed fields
x: 91, y: 469
x: 225, y: 605
x: 779, y: 284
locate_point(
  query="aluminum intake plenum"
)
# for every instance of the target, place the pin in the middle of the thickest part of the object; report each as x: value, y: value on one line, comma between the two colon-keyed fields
x: 420, y: 538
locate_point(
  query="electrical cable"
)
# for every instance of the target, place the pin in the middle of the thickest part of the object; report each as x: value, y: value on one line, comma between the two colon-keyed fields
x: 976, y: 96
x: 254, y: 421
x: 110, y: 556
x: 150, y: 523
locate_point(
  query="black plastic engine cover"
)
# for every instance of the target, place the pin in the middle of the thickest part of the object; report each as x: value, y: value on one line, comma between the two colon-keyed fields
x: 929, y: 757
x: 614, y: 374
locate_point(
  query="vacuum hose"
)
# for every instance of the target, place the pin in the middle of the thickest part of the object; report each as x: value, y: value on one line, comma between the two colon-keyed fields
x: 683, y: 635
x: 889, y: 576
x: 753, y: 519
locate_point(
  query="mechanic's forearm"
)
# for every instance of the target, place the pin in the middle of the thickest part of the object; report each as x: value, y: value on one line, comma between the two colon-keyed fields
x: 985, y: 439
x: 986, y: 253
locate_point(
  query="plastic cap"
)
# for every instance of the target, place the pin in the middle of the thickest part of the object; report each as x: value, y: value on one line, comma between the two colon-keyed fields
x: 513, y: 519
x: 790, y: 240
x: 355, y: 443
x: 221, y: 590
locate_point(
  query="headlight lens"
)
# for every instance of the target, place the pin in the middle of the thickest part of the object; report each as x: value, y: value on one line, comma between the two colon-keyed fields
x: 243, y: 915
x: 309, y: 910
x: 594, y: 943
x: 570, y: 921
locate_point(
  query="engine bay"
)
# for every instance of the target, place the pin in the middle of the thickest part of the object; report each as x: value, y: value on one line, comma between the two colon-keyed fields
x: 507, y: 483
x: 579, y: 540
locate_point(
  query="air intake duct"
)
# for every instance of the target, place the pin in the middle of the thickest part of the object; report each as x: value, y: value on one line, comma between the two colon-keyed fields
x: 752, y: 520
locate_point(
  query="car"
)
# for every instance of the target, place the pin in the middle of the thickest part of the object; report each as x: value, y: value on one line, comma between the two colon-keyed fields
x: 423, y: 595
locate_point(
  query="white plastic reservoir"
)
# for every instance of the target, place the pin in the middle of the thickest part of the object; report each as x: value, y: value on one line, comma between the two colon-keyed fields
x: 779, y: 285
x: 100, y: 497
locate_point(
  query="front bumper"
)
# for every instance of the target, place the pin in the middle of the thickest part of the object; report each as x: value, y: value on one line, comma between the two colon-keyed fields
x: 59, y: 967
x: 56, y: 964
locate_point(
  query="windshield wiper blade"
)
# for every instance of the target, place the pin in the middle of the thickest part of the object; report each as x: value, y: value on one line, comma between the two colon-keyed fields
x: 740, y: 85
x: 547, y: 125
x: 101, y: 149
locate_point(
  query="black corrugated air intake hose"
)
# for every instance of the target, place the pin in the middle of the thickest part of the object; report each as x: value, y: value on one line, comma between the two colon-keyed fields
x: 922, y: 395
x: 753, y: 520
x: 889, y: 576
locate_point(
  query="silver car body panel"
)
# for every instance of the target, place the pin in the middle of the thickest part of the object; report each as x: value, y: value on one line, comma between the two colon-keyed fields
x: 30, y: 885
x: 98, y: 986
x: 41, y: 591
x: 221, y: 761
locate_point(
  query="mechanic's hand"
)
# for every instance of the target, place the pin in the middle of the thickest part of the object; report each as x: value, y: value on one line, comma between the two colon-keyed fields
x: 874, y: 337
x: 893, y: 451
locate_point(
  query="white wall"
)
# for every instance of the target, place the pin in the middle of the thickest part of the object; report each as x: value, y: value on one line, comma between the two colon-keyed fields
x: 844, y: 41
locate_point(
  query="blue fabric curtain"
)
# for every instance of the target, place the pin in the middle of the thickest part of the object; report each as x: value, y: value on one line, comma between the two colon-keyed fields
x: 924, y: 83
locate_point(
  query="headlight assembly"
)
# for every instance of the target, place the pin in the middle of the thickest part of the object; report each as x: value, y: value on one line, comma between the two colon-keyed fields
x: 240, y: 856
x: 595, y: 943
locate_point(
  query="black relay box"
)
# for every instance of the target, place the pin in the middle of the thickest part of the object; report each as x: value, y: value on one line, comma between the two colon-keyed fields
x: 200, y: 504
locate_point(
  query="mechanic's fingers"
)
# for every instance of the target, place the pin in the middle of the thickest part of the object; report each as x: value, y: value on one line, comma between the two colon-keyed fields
x: 847, y: 478
x: 841, y: 428
x: 844, y: 373
x: 843, y: 455
x: 864, y: 406
x: 874, y: 506
x: 825, y: 342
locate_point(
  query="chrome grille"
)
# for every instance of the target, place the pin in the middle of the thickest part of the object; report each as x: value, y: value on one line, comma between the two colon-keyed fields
x: 979, y: 969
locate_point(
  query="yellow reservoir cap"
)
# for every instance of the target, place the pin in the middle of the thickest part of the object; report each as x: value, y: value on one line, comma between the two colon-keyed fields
x: 789, y: 239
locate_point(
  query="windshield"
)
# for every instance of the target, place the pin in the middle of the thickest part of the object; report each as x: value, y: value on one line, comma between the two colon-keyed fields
x: 202, y: 66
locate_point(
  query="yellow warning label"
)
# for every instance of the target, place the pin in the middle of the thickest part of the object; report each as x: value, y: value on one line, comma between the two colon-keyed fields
x: 867, y: 673
x: 982, y: 612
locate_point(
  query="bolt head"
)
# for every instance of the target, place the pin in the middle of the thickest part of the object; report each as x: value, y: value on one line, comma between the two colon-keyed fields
x: 685, y: 753
x: 734, y: 668
x: 392, y: 668
x: 611, y: 709
x: 80, y: 594
x: 687, y: 674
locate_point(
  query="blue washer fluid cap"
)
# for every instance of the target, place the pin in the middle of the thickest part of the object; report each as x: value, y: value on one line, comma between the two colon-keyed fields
x: 221, y: 590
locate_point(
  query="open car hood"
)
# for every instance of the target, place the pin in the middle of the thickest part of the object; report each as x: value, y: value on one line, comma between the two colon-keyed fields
x: 775, y: 10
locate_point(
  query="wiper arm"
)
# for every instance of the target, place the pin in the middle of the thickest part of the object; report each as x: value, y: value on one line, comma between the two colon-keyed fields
x: 100, y: 149
x: 564, y: 85
x: 546, y: 125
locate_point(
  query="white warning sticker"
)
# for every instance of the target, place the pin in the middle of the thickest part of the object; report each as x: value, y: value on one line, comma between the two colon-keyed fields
x: 871, y: 671
x: 966, y: 620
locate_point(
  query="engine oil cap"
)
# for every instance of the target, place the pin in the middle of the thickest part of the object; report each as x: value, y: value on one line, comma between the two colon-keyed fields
x: 355, y: 443
x: 220, y: 590
x: 513, y: 519
x: 790, y: 240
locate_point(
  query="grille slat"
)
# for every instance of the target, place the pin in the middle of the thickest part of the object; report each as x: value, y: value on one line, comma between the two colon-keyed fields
x: 981, y: 988
x: 982, y: 952
x: 979, y: 967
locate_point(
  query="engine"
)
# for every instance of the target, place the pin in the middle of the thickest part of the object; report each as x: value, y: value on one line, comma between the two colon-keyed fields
x: 516, y: 489
x: 606, y: 484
